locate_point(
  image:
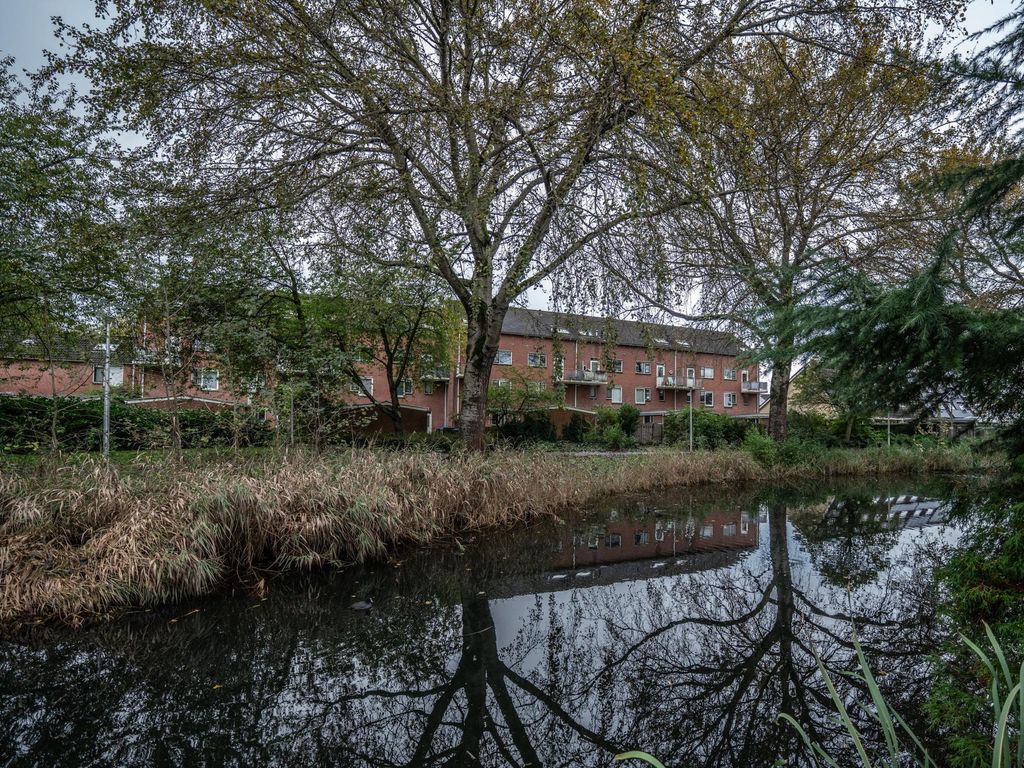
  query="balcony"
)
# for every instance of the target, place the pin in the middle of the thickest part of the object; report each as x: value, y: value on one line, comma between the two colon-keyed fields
x: 436, y: 374
x: 754, y: 387
x: 676, y: 382
x: 583, y: 376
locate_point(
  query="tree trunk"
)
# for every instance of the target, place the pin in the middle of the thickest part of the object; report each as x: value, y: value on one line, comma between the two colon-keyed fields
x: 483, y: 337
x: 395, y: 412
x: 849, y: 427
x: 778, y: 407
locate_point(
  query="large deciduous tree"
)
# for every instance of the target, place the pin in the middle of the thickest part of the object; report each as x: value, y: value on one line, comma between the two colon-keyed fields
x: 801, y: 157
x: 57, y: 248
x: 500, y: 131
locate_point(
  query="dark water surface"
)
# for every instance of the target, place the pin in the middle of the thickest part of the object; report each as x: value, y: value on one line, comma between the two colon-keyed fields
x: 680, y: 623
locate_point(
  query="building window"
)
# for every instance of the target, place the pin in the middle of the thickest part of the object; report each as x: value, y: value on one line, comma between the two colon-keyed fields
x: 659, y: 531
x: 707, y: 399
x: 745, y: 376
x: 535, y: 359
x: 499, y: 383
x: 640, y: 538
x: 613, y: 540
x: 744, y: 523
x: 615, y: 393
x: 616, y: 366
x: 707, y: 531
x: 707, y: 372
x: 648, y: 419
x: 537, y: 386
x: 661, y: 395
x: 729, y: 374
x: 593, y: 392
x: 642, y: 395
x: 504, y: 357
x: 690, y: 375
x: 595, y: 364
x: 428, y: 387
x: 643, y: 366
x: 405, y: 388
x: 730, y: 399
x: 207, y: 379
x: 116, y: 375
x: 593, y: 541
x: 729, y: 529
x: 367, y: 385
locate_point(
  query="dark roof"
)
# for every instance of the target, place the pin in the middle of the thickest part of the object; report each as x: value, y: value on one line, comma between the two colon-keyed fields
x: 630, y: 333
x: 76, y: 349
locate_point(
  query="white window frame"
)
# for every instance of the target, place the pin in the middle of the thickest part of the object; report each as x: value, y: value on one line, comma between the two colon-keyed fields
x: 116, y: 374
x: 707, y: 531
x: 505, y: 352
x: 729, y: 399
x: 729, y: 529
x: 659, y: 370
x: 691, y: 374
x: 428, y: 387
x: 355, y: 389
x: 499, y: 383
x: 707, y: 372
x: 745, y: 375
x: 641, y: 538
x: 615, y: 393
x: 729, y: 374
x: 537, y: 359
x: 642, y: 395
x: 538, y: 386
x: 595, y: 364
x: 707, y: 398
x: 642, y: 367
x: 199, y: 379
x: 616, y: 366
x: 405, y: 388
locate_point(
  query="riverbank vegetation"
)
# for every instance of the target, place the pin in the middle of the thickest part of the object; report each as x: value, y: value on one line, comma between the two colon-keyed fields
x: 82, y: 538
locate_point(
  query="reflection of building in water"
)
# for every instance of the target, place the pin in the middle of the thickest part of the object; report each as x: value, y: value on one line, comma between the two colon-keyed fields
x: 618, y: 541
x: 888, y: 512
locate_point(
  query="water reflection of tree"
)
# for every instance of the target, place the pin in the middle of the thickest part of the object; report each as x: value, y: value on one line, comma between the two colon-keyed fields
x: 851, y: 543
x: 694, y: 668
x: 742, y: 650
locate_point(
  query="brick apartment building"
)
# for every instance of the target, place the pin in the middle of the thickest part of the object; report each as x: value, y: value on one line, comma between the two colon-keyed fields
x: 596, y: 361
x: 599, y: 362
x: 75, y: 369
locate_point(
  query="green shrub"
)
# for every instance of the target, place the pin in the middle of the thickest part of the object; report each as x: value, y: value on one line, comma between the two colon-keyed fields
x: 629, y: 417
x: 614, y: 439
x: 576, y: 430
x: 761, y: 447
x: 710, y: 430
x: 606, y: 417
x: 25, y: 425
x: 531, y: 427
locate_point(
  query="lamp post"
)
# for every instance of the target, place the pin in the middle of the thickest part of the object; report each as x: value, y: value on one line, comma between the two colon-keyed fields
x: 106, y: 392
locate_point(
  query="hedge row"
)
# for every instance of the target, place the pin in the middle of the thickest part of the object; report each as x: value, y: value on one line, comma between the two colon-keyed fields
x: 25, y: 426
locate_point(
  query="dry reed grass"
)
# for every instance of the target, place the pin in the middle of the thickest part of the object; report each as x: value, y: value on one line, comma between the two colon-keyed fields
x: 78, y: 541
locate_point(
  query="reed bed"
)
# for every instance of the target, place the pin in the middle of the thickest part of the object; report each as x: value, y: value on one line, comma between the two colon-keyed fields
x: 79, y: 541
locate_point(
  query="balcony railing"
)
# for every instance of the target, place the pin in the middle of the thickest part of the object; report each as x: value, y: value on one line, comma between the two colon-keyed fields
x: 583, y: 376
x: 436, y: 374
x: 676, y: 382
x: 753, y: 387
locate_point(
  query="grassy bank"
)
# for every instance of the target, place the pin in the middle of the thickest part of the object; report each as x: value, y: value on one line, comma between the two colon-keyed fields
x: 83, y: 539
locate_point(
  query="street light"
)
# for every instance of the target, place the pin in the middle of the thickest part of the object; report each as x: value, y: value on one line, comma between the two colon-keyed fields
x: 106, y: 392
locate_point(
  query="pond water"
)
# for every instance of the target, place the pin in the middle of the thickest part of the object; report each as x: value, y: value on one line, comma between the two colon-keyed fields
x: 680, y: 623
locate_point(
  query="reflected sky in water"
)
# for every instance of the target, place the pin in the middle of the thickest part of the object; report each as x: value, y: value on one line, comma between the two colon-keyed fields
x: 681, y: 623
